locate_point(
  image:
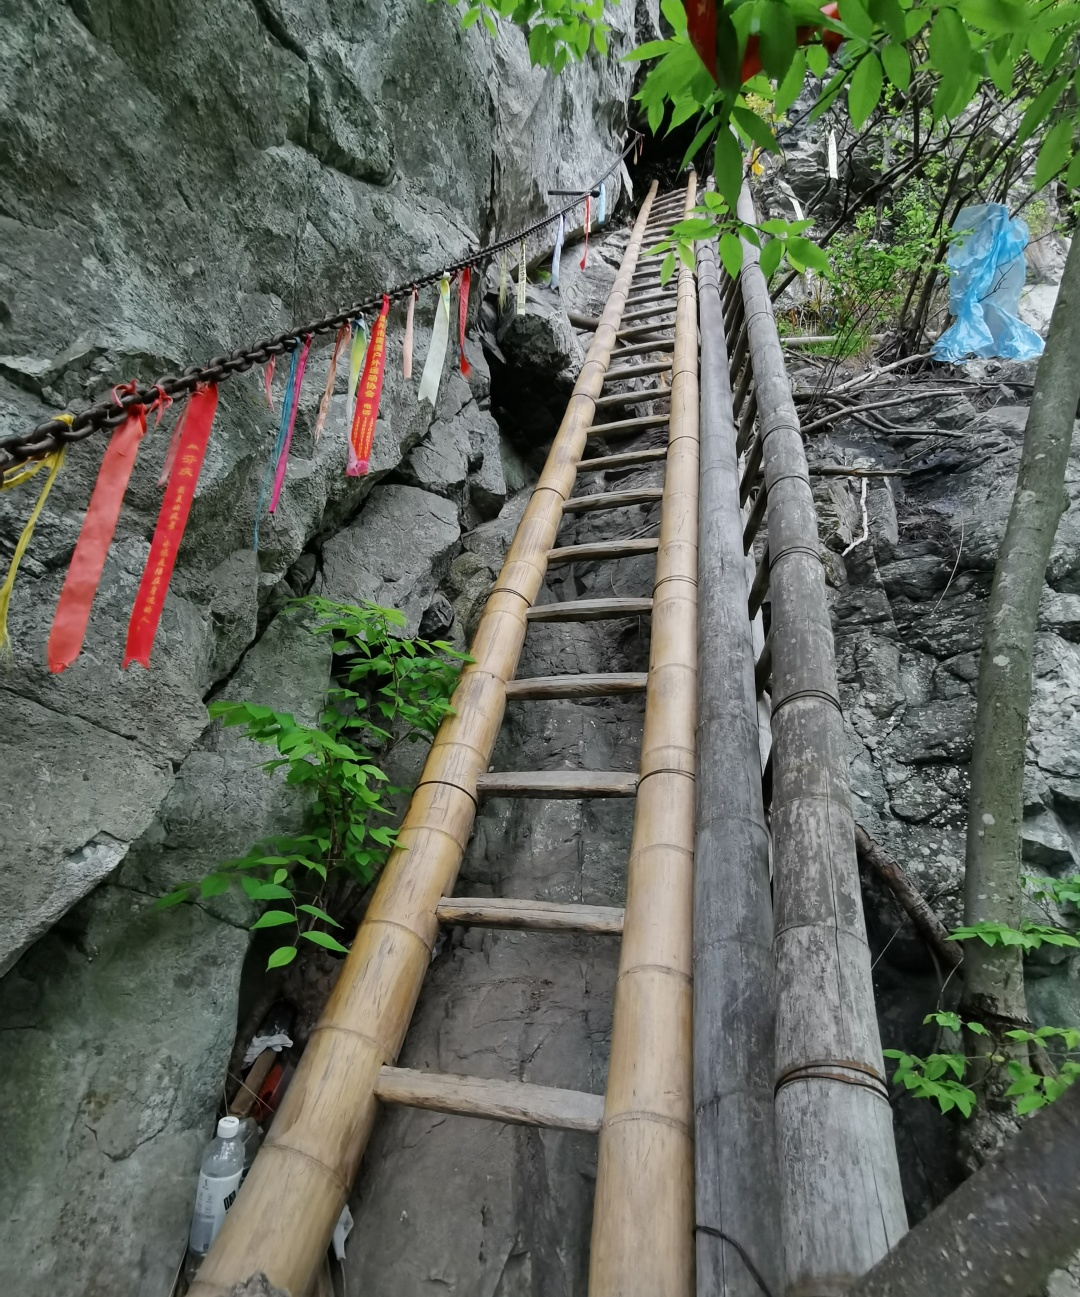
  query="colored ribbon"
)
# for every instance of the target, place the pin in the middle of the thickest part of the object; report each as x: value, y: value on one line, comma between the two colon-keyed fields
x: 521, y: 277
x: 556, y: 256
x: 407, y: 342
x: 601, y: 215
x: 504, y: 266
x: 369, y: 393
x: 279, y: 444
x: 833, y: 168
x: 294, y: 405
x: 328, y: 390
x: 268, y: 378
x: 626, y: 180
x: 588, y: 221
x: 99, y: 526
x: 440, y: 335
x: 356, y: 361
x: 174, y: 442
x: 464, y: 282
x: 20, y: 475
x: 172, y: 520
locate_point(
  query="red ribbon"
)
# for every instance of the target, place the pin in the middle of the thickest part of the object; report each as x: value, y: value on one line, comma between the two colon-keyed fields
x: 588, y: 221
x: 99, y: 526
x: 268, y: 378
x: 172, y: 520
x: 368, y: 395
x: 463, y: 310
x: 701, y: 28
x: 293, y: 402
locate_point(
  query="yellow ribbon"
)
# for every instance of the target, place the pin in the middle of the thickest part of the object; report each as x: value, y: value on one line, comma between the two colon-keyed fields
x: 16, y: 477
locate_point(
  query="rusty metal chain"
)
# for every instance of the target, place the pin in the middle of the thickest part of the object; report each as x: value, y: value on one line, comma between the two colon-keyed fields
x: 52, y: 434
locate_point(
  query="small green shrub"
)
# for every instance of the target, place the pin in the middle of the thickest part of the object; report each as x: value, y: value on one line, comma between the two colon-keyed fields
x: 386, y: 687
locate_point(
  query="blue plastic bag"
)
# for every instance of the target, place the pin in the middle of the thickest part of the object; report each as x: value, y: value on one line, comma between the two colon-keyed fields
x: 987, y: 275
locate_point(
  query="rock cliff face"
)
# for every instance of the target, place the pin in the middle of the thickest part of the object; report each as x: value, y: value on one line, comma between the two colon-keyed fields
x: 176, y: 180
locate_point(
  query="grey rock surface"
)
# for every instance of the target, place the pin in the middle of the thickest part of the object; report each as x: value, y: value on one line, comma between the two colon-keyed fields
x: 177, y: 182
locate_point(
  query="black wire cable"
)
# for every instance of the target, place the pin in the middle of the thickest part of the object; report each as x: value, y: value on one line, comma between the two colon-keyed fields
x: 52, y: 434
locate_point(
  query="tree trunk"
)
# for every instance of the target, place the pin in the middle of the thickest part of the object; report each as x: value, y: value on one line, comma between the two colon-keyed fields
x: 994, y: 975
x: 1004, y: 1230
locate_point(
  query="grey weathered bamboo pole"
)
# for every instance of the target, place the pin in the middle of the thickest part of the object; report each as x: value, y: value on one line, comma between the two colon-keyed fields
x: 841, y: 1204
x: 735, y: 1156
x: 283, y: 1218
x: 643, y: 1218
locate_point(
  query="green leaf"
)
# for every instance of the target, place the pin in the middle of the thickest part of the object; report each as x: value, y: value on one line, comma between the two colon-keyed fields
x: 1055, y: 153
x: 1039, y: 108
x: 325, y: 940
x: 758, y: 131
x: 319, y: 914
x: 817, y: 59
x: 214, y: 885
x: 273, y: 919
x: 948, y: 45
x: 770, y: 257
x: 809, y: 254
x: 1030, y: 1103
x: 728, y: 165
x: 865, y: 89
x: 977, y: 1029
x: 788, y: 90
x: 951, y: 1021
x: 888, y: 14
x: 699, y: 139
x: 776, y: 42
x: 674, y: 12
x: 282, y: 956
x: 667, y: 268
x: 731, y: 253
x: 600, y: 40
x: 897, y: 64
x: 270, y: 892
x: 855, y: 17
x: 170, y: 899
x: 489, y: 23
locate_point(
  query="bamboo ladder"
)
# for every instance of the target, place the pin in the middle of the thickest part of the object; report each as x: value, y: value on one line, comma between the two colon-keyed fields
x: 841, y: 1207
x: 642, y: 1238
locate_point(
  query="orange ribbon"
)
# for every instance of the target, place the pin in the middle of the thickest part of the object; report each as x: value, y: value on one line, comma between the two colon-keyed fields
x: 588, y: 219
x: 172, y: 520
x: 368, y: 395
x: 88, y: 561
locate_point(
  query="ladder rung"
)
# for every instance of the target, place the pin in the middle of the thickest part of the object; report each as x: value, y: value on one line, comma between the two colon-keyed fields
x: 557, y: 784
x: 582, y: 321
x: 643, y: 330
x: 760, y: 585
x: 646, y: 312
x: 635, y: 371
x: 664, y: 348
x: 632, y: 398
x: 666, y: 296
x: 602, y: 463
x: 472, y: 1096
x: 763, y: 666
x: 578, y: 686
x: 602, y: 549
x: 627, y: 427
x: 589, y: 609
x: 541, y: 916
x: 613, y: 499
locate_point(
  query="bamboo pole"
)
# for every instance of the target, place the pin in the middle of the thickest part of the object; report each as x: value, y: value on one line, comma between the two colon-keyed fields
x: 841, y: 1205
x: 643, y: 1217
x: 736, y: 1176
x: 285, y: 1213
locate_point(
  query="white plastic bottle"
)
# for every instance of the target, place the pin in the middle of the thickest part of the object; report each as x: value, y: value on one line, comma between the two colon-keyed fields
x: 219, y: 1179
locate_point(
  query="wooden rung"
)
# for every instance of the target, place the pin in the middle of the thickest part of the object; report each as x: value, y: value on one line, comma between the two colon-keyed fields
x: 602, y: 463
x: 613, y: 499
x: 540, y: 916
x: 760, y: 586
x: 757, y: 517
x: 643, y: 330
x: 627, y: 427
x: 557, y: 784
x: 650, y: 296
x: 515, y: 1102
x: 763, y: 666
x: 602, y: 549
x: 589, y: 609
x: 582, y: 321
x: 636, y: 371
x: 632, y: 398
x: 663, y: 347
x: 646, y: 312
x: 579, y: 686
